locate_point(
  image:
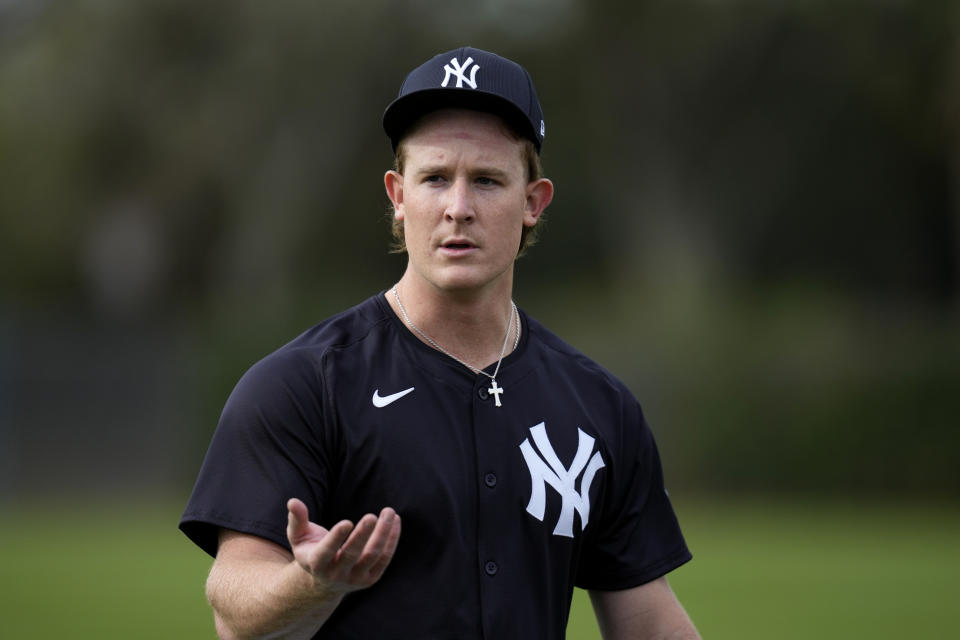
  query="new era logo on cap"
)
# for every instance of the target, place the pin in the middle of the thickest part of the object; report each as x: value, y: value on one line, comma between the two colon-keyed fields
x: 471, y: 79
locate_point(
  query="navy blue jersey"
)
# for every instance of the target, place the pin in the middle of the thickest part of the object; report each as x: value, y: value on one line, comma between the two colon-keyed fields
x: 505, y: 509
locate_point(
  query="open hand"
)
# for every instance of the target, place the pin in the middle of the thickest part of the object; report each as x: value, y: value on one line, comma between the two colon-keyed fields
x: 346, y: 557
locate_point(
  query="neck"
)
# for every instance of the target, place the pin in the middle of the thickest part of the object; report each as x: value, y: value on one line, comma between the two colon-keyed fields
x: 471, y: 326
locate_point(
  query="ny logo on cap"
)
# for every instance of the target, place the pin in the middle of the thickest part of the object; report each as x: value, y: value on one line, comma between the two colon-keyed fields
x: 458, y: 71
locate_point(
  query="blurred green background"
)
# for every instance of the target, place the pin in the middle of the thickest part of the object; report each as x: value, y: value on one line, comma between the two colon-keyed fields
x: 757, y: 227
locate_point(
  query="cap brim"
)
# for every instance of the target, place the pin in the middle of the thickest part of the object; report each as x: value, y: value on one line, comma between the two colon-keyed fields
x: 403, y: 112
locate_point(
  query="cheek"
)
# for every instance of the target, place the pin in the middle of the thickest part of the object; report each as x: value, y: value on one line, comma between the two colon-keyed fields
x: 416, y: 230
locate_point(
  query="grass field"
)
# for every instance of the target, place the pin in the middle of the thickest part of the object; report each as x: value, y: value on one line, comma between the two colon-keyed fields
x: 761, y: 570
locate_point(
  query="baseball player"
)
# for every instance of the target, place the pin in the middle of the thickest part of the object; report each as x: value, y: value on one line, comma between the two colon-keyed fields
x: 434, y: 463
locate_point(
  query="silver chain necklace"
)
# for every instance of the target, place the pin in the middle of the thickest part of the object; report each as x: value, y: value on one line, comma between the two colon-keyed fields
x: 514, y: 319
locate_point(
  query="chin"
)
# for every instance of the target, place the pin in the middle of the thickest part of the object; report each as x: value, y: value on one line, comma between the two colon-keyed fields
x: 465, y: 280
x: 461, y: 284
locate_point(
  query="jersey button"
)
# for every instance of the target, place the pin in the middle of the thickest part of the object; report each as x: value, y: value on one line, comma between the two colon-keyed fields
x: 483, y: 393
x: 490, y: 480
x: 491, y: 568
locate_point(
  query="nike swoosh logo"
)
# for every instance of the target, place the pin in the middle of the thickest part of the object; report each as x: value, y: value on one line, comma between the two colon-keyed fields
x: 382, y: 401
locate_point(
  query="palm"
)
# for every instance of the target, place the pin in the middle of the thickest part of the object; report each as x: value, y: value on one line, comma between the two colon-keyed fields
x: 309, y: 537
x: 344, y: 557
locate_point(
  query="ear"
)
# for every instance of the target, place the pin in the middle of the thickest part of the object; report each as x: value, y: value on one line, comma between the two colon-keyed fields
x: 539, y: 195
x: 393, y: 182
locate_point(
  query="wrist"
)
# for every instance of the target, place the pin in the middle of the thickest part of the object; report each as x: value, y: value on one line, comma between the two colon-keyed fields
x: 316, y: 588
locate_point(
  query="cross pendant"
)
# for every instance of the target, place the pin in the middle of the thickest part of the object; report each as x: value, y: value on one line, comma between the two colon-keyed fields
x: 496, y: 391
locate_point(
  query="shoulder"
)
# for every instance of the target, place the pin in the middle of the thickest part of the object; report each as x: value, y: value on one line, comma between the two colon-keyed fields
x: 565, y: 359
x: 298, y: 365
x: 582, y: 389
x: 336, y: 332
x: 342, y: 330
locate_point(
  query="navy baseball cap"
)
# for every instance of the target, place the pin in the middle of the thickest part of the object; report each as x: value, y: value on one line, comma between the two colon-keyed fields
x: 468, y: 78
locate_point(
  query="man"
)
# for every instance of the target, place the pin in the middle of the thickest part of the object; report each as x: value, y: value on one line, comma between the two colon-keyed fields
x: 433, y: 463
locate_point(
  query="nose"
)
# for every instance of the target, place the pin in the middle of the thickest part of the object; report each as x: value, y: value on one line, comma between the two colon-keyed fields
x: 459, y: 204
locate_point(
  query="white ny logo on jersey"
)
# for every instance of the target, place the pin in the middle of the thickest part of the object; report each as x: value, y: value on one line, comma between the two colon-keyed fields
x: 458, y: 71
x: 560, y: 478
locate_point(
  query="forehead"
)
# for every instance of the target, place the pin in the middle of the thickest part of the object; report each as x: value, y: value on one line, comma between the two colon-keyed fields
x: 463, y: 131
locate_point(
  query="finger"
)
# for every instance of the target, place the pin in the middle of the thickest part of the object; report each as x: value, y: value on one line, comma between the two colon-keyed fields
x: 389, y: 548
x: 298, y: 520
x: 353, y: 547
x: 378, y: 540
x: 324, y: 552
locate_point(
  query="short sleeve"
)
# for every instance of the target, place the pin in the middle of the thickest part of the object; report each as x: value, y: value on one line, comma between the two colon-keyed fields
x: 638, y: 538
x: 268, y: 447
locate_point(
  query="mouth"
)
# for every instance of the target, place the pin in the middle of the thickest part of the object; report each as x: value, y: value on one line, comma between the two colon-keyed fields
x: 458, y: 244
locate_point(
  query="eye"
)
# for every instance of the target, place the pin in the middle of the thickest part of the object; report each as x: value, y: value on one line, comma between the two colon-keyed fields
x: 486, y: 181
x: 433, y: 179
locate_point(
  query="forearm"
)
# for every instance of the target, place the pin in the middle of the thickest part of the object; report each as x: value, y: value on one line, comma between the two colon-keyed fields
x: 675, y: 628
x: 259, y: 589
x: 671, y: 623
x: 647, y: 612
x: 267, y: 598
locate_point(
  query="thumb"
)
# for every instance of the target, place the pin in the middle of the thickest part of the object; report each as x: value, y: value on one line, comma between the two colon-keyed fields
x: 298, y: 520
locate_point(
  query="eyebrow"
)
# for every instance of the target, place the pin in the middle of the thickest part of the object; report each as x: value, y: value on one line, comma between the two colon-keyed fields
x: 493, y: 172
